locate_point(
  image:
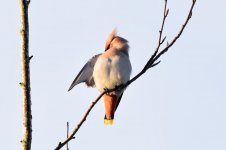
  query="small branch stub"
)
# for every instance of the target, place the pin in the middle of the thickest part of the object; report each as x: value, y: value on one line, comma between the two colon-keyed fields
x: 30, y: 57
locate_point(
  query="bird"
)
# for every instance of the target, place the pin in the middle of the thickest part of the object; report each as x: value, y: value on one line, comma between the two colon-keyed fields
x: 108, y: 70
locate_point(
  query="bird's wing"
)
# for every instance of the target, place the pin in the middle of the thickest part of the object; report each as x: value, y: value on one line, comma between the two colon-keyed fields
x: 118, y: 101
x: 86, y: 73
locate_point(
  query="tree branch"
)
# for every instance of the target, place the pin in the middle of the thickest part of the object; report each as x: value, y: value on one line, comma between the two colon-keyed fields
x: 160, y: 41
x: 67, y: 134
x: 71, y: 136
x: 179, y: 33
x: 151, y: 63
x: 25, y: 76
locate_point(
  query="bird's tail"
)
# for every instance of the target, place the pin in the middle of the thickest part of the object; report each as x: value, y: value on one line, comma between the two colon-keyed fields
x: 110, y: 102
x: 109, y: 122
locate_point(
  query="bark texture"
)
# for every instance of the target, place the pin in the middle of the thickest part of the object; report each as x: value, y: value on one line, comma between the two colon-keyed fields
x: 25, y: 75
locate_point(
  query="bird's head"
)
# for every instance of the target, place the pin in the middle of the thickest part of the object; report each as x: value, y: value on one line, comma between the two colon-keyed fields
x: 116, y: 42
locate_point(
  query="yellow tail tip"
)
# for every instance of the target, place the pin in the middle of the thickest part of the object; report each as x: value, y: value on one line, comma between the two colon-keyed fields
x: 111, y: 122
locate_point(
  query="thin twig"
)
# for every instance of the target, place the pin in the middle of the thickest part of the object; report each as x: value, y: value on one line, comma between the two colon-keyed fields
x: 179, y: 33
x: 67, y: 134
x: 151, y: 63
x: 160, y: 41
x: 71, y: 136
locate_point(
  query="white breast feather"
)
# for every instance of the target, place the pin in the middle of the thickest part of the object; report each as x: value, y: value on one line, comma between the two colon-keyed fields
x: 111, y: 71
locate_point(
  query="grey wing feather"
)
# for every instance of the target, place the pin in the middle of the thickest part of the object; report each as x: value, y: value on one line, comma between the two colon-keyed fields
x: 119, y: 99
x: 86, y: 73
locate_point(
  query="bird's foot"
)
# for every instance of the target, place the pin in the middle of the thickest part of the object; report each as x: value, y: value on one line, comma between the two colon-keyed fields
x: 106, y: 90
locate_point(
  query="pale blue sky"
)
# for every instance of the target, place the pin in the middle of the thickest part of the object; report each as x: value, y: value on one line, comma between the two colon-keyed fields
x: 178, y: 105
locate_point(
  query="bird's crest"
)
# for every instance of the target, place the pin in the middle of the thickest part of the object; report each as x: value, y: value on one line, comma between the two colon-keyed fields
x: 110, y: 38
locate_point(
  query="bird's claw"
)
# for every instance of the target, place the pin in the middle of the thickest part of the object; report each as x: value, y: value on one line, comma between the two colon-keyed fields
x: 106, y: 89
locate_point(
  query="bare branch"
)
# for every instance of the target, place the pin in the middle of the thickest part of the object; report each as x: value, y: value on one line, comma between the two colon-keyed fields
x: 179, y: 33
x: 71, y: 136
x: 67, y: 134
x: 25, y: 76
x: 151, y: 63
x: 160, y: 41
